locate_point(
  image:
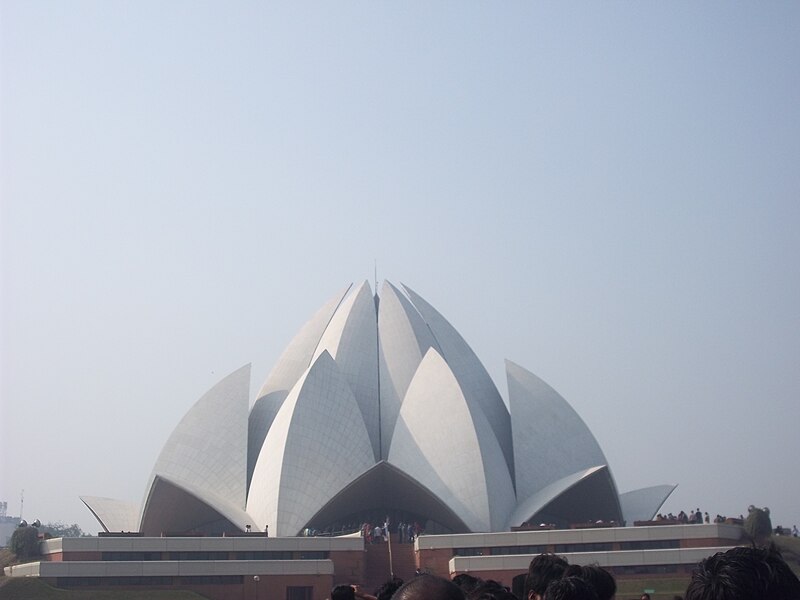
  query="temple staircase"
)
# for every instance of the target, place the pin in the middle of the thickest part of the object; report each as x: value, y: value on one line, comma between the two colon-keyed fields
x: 376, y: 564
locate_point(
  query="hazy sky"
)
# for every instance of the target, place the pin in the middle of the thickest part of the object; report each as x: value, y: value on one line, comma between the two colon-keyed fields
x: 606, y: 193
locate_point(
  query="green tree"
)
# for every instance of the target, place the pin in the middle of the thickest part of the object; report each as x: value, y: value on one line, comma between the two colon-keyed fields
x: 62, y: 530
x: 25, y: 542
x: 757, y: 525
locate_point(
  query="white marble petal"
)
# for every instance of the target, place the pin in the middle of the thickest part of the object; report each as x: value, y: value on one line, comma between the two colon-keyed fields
x: 542, y: 497
x: 550, y: 440
x: 175, y: 506
x: 290, y: 366
x: 113, y: 515
x: 470, y: 372
x: 316, y: 446
x: 643, y: 504
x: 208, y: 449
x: 298, y: 355
x: 404, y: 339
x: 449, y: 447
x: 351, y: 339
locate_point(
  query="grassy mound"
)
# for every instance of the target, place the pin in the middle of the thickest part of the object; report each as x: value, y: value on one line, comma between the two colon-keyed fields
x: 6, y: 558
x: 32, y: 588
x: 664, y: 587
x: 790, y: 548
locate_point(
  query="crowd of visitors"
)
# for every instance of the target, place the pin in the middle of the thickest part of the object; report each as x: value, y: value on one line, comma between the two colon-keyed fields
x: 742, y: 573
x: 696, y: 517
x: 372, y: 533
x: 405, y: 532
x: 786, y: 531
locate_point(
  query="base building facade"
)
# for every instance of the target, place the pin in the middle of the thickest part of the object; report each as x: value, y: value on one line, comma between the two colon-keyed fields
x: 252, y: 566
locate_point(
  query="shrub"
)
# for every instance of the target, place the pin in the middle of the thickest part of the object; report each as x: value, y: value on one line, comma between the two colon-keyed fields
x: 758, y: 525
x: 25, y: 542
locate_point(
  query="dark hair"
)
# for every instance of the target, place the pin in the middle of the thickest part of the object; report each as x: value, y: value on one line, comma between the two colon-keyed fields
x: 491, y: 590
x: 466, y: 582
x: 343, y: 592
x: 600, y: 580
x: 428, y: 587
x: 518, y: 585
x: 542, y: 570
x: 569, y: 588
x: 573, y: 571
x: 388, y: 588
x: 744, y: 573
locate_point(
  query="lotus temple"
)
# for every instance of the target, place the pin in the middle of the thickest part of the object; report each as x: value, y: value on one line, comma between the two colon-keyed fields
x: 378, y: 410
x: 378, y: 407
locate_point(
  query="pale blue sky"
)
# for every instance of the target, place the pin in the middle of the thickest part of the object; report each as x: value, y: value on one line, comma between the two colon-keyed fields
x: 605, y: 193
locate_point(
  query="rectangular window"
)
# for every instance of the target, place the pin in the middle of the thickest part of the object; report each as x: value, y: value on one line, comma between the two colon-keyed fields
x: 501, y: 550
x: 587, y: 547
x: 198, y: 555
x: 130, y: 556
x: 212, y: 580
x: 468, y: 551
x: 313, y: 555
x: 266, y: 555
x: 649, y: 545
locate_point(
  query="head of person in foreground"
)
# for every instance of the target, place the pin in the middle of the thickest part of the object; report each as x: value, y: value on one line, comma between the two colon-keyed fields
x: 744, y: 573
x: 428, y: 587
